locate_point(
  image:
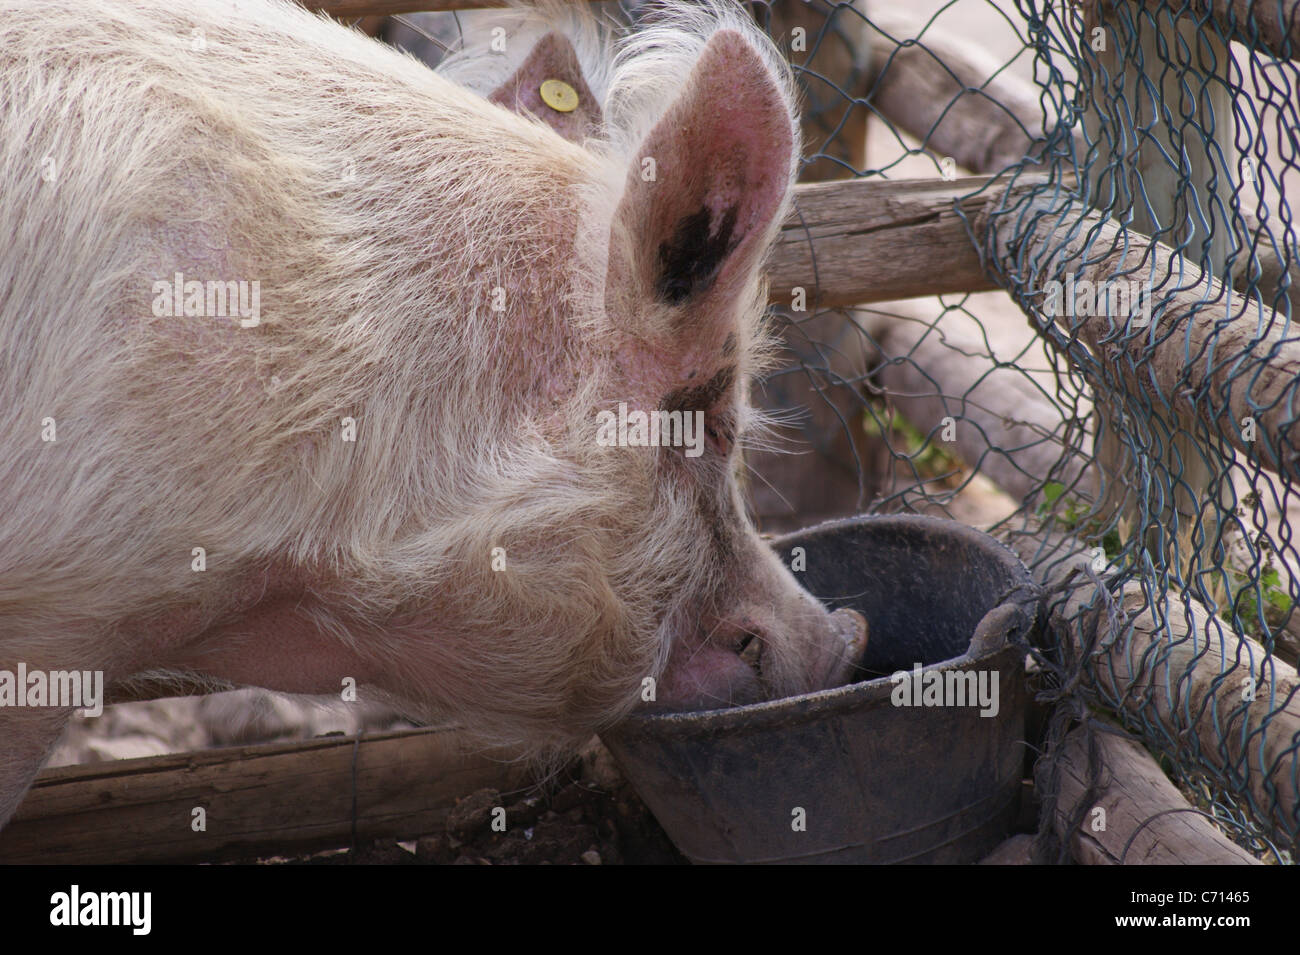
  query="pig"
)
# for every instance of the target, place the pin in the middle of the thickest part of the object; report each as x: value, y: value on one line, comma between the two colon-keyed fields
x: 307, y: 350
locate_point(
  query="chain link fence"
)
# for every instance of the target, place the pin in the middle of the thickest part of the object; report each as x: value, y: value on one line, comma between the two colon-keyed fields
x: 1141, y: 431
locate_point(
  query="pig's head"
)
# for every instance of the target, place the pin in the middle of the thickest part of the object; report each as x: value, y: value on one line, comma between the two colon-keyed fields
x: 684, y: 286
x: 705, y: 181
x: 629, y: 557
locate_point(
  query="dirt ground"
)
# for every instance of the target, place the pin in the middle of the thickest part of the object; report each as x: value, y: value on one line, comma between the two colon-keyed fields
x: 578, y: 823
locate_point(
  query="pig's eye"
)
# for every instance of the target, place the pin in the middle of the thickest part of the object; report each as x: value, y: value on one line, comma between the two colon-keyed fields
x: 720, y: 436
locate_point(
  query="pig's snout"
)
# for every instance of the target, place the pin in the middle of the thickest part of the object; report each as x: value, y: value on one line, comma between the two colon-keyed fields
x: 847, y: 648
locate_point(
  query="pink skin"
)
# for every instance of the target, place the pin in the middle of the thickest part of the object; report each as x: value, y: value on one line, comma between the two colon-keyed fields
x: 707, y: 677
x: 275, y: 646
x: 726, y: 668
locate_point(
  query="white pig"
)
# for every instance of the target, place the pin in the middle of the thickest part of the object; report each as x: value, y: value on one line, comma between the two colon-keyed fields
x: 305, y: 354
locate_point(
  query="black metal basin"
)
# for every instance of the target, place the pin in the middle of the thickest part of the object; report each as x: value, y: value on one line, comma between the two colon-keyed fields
x: 851, y: 774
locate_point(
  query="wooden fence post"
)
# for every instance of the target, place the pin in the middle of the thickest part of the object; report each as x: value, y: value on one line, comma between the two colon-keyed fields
x: 1158, y: 113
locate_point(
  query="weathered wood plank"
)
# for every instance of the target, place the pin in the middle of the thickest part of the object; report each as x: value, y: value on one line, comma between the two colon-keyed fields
x: 952, y: 96
x: 274, y: 799
x: 1193, y: 316
x: 1273, y: 24
x: 1177, y: 666
x: 1018, y: 439
x: 1146, y: 819
x: 862, y: 241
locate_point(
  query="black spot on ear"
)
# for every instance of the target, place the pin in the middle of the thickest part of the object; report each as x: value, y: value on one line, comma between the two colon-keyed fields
x: 689, y: 261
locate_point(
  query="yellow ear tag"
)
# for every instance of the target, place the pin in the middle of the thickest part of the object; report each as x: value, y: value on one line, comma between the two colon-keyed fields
x: 559, y: 96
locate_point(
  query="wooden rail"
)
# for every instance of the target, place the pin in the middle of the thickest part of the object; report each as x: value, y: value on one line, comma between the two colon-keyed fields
x: 862, y: 240
x: 277, y: 799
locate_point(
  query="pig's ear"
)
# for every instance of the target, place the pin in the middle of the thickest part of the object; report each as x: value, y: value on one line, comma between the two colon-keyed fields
x: 708, y: 181
x: 549, y: 85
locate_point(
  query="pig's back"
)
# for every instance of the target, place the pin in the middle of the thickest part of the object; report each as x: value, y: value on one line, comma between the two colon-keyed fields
x: 145, y: 139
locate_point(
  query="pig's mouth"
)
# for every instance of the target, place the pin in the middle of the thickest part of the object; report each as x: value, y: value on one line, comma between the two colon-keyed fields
x: 750, y: 650
x: 734, y: 665
x: 713, y: 670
